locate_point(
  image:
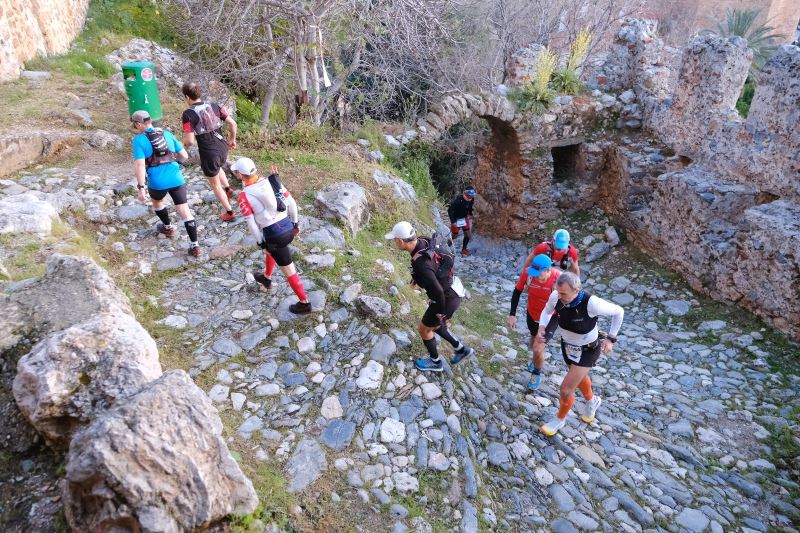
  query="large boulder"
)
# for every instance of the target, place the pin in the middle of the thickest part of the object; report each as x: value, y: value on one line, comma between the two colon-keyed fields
x: 156, y: 462
x: 25, y: 213
x: 72, y: 375
x: 345, y: 202
x: 72, y: 290
x: 401, y: 190
x: 319, y: 232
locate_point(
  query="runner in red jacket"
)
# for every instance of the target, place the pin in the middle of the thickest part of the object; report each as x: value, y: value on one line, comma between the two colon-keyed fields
x: 539, y: 279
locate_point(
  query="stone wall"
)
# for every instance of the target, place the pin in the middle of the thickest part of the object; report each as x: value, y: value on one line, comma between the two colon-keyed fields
x: 36, y: 27
x: 729, y: 221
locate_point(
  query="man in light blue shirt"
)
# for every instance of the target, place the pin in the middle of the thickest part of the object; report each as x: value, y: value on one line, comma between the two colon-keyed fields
x: 155, y: 162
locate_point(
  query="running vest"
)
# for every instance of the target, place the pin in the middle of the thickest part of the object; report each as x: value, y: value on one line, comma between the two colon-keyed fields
x: 566, y: 260
x: 439, y: 253
x: 161, y: 152
x: 539, y: 293
x: 209, y: 120
x: 576, y: 319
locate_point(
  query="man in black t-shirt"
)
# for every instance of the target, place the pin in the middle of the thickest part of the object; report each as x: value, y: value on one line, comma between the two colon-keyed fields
x: 444, y: 301
x: 203, y: 123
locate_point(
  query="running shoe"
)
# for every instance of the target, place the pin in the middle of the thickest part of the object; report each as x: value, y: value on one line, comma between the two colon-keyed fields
x: 552, y: 427
x: 535, y: 381
x: 465, y: 253
x: 262, y: 279
x: 426, y: 364
x: 461, y: 354
x: 195, y: 251
x: 227, y: 217
x: 300, y: 308
x: 166, y: 231
x: 531, y: 368
x: 591, y: 408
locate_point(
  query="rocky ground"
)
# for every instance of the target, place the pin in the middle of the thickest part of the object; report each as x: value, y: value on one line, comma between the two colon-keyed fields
x: 339, y: 432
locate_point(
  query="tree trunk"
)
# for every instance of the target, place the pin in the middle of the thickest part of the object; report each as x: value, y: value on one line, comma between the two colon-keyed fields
x: 312, y: 52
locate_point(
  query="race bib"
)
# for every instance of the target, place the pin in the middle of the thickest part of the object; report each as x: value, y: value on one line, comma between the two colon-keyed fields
x: 461, y: 222
x: 573, y: 352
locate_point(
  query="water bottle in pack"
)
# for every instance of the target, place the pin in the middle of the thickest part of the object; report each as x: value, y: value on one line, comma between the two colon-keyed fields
x: 209, y: 121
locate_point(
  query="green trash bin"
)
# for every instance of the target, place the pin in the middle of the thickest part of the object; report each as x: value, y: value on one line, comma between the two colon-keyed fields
x: 141, y: 87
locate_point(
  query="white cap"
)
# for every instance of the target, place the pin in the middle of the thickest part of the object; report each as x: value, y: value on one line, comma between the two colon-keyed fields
x: 244, y: 165
x: 401, y: 230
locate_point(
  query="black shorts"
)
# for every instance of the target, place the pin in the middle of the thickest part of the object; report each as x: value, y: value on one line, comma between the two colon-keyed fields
x: 211, y: 161
x: 533, y: 327
x: 590, y: 353
x: 451, y: 304
x: 178, y: 194
x: 278, y: 248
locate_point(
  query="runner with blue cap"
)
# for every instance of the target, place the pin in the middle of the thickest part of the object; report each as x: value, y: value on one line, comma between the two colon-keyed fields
x: 559, y: 249
x: 539, y: 278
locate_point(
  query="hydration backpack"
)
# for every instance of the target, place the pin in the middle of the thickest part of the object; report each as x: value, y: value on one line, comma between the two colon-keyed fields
x: 275, y: 181
x: 161, y: 152
x: 566, y: 260
x: 440, y: 251
x: 209, y: 121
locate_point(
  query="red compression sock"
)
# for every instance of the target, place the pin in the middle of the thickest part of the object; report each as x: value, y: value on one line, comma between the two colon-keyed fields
x: 297, y: 286
x: 270, y: 264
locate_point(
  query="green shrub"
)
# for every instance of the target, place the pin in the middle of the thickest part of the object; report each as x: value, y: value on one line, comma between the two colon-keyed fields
x: 532, y: 99
x: 248, y: 113
x: 566, y: 81
x: 746, y: 98
x: 304, y: 135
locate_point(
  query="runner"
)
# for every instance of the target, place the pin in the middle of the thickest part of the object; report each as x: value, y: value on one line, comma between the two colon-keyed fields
x: 460, y: 214
x: 155, y: 163
x: 563, y: 254
x: 266, y: 216
x: 203, y: 123
x: 581, y: 343
x: 432, y: 271
x: 540, y: 278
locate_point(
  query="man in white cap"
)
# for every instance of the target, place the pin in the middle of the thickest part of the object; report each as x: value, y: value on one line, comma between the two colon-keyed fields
x: 432, y: 271
x: 264, y: 204
x: 155, y: 163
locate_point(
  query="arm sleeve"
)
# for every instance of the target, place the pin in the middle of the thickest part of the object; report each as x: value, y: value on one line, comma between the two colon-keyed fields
x: 291, y: 205
x: 247, y: 212
x: 518, y: 288
x: 599, y: 307
x: 548, y: 311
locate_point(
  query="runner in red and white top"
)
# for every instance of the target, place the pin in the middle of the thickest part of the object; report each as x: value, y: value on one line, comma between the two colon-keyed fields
x: 539, y: 279
x: 271, y: 214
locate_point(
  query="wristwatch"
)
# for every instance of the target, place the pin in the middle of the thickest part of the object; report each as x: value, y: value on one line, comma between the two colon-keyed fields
x: 138, y: 186
x: 611, y: 339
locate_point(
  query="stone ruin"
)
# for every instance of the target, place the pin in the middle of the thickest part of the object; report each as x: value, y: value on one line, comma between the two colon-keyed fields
x: 659, y: 146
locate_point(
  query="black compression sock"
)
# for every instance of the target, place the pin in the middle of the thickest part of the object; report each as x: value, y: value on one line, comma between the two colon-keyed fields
x: 163, y: 215
x: 446, y: 335
x: 430, y: 344
x: 191, y: 229
x: 466, y: 241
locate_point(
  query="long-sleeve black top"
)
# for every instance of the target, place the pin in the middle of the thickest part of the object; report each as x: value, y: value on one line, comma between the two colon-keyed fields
x: 423, y: 272
x: 459, y: 208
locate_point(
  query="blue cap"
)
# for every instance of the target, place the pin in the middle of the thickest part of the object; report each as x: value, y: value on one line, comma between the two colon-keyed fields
x: 539, y: 264
x: 561, y: 239
x: 470, y: 191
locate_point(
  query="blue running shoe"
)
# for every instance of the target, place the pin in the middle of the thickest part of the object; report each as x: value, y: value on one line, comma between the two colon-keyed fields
x: 461, y: 354
x: 535, y: 381
x: 426, y: 364
x: 531, y: 368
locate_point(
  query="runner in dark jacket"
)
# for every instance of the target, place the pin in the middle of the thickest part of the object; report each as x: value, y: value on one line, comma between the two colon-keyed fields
x: 460, y: 214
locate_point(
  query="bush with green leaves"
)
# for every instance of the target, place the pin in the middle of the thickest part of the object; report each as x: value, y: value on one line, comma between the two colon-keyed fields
x: 537, y: 96
x: 567, y: 80
x: 760, y: 37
